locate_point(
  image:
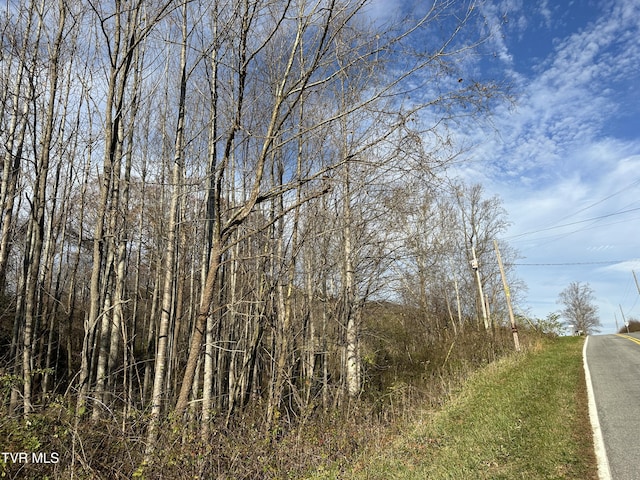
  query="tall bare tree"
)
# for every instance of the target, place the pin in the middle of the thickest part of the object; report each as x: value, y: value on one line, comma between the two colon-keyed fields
x: 122, y: 31
x: 579, y: 309
x: 172, y: 240
x: 36, y: 228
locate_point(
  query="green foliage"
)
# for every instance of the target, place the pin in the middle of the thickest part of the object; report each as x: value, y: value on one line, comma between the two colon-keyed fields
x: 550, y: 325
x: 9, y: 381
x: 26, y: 435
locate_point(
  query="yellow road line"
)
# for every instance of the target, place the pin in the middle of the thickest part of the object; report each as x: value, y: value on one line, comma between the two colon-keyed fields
x: 633, y: 339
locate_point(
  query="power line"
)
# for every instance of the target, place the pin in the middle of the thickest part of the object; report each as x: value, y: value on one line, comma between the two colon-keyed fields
x: 622, y: 212
x: 633, y: 184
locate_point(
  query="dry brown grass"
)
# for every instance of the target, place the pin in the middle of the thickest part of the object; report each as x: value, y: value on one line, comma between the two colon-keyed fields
x: 406, y: 371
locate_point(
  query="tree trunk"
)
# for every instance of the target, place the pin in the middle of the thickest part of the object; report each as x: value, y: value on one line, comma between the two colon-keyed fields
x: 350, y: 315
x: 171, y: 252
x: 15, y: 138
x: 38, y: 214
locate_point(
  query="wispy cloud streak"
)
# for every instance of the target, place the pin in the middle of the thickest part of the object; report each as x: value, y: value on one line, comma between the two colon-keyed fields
x: 562, y: 154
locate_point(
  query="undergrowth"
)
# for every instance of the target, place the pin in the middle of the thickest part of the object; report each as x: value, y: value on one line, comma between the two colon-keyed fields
x: 400, y: 384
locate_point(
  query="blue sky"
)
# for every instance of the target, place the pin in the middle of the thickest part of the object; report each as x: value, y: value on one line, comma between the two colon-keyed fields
x: 565, y: 158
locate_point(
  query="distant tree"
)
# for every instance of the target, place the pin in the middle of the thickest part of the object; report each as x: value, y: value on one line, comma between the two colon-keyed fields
x: 633, y: 326
x: 579, y: 310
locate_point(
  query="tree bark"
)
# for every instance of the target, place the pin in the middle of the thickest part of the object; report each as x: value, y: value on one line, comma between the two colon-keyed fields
x: 172, y: 246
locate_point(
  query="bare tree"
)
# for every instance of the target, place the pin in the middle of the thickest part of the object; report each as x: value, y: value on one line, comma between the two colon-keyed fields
x: 36, y: 225
x: 579, y: 310
x: 288, y: 91
x: 16, y: 110
x: 440, y: 278
x: 122, y: 32
x: 209, y: 194
x: 172, y: 241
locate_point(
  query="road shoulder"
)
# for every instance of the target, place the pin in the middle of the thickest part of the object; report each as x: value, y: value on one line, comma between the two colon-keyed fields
x: 604, y: 472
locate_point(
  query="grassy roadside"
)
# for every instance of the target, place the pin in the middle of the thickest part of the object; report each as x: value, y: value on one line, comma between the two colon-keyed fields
x: 524, y: 416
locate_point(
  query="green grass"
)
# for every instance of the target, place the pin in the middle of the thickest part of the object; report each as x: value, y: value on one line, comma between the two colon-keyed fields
x: 524, y: 416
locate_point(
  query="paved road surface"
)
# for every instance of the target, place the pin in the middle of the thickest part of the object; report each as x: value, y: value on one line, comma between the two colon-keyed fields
x: 614, y: 366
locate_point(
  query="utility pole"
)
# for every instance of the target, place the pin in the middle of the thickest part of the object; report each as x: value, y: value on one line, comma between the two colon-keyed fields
x: 636, y: 279
x: 626, y: 324
x: 474, y: 265
x: 474, y: 262
x: 507, y: 293
x: 487, y: 306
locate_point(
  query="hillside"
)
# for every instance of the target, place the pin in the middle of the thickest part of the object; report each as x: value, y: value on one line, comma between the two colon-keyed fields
x: 524, y: 416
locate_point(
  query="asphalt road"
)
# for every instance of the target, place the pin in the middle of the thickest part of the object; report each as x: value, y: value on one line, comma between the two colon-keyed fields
x: 613, y: 363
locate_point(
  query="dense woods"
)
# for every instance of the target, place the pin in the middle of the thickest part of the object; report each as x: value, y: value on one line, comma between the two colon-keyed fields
x: 235, y: 212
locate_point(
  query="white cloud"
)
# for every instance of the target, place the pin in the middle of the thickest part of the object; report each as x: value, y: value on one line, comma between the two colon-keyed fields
x: 569, y: 182
x: 383, y: 10
x: 626, y: 266
x: 567, y: 104
x: 495, y: 15
x: 546, y: 13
